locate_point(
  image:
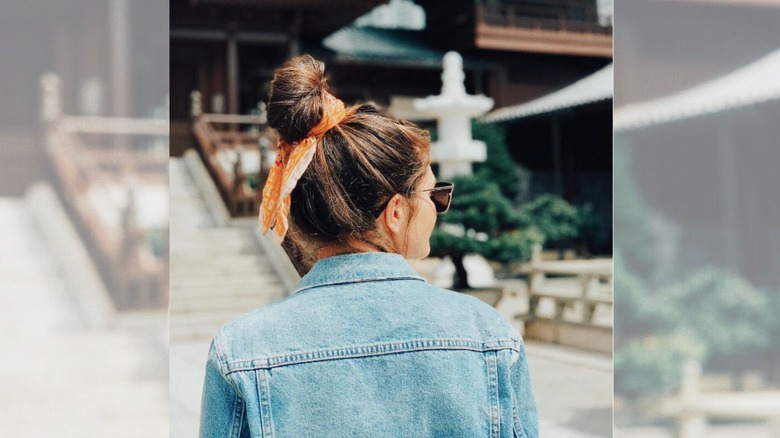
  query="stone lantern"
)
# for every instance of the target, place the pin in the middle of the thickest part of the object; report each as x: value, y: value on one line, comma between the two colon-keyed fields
x: 453, y: 109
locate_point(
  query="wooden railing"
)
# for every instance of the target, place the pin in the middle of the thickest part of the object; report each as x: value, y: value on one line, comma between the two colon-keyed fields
x: 219, y: 138
x: 135, y: 277
x: 242, y: 194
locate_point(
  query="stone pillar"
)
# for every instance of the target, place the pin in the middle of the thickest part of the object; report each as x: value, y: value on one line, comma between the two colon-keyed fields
x: 690, y: 423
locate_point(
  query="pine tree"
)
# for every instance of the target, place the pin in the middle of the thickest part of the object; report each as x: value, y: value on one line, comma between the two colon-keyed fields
x: 481, y: 221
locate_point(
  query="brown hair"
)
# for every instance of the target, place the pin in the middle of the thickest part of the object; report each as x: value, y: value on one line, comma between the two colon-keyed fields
x: 357, y: 167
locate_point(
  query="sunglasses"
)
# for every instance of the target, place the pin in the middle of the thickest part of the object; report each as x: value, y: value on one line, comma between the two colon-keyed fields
x: 441, y: 195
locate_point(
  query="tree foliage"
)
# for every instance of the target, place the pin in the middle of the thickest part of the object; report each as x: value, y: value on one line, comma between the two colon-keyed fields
x: 481, y: 221
x: 553, y: 217
x: 709, y: 315
x: 499, y: 166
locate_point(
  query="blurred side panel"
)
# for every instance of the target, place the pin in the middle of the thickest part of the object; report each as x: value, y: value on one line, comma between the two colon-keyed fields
x: 697, y: 290
x: 84, y: 217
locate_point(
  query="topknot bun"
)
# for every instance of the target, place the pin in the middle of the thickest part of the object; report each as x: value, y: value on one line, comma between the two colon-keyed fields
x: 295, y: 98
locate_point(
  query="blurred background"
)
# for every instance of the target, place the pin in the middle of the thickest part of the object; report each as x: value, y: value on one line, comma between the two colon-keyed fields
x: 517, y: 95
x: 696, y: 221
x: 84, y: 218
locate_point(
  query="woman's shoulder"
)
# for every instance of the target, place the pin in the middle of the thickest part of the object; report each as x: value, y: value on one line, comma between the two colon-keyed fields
x: 462, y: 304
x: 345, y: 315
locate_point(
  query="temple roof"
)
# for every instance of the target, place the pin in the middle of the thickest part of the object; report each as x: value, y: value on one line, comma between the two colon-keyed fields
x: 752, y: 84
x: 593, y: 88
x: 371, y: 43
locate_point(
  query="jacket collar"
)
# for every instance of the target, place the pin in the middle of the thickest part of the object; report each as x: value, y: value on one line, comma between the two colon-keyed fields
x: 359, y: 267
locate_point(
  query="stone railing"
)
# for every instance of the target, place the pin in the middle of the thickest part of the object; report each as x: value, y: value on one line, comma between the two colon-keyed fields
x: 592, y: 286
x: 574, y: 289
x: 692, y: 407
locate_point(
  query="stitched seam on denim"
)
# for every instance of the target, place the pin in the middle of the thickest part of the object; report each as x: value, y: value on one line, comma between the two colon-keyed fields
x: 264, y: 400
x: 515, y: 402
x: 224, y: 367
x: 220, y: 355
x: 520, y: 433
x: 359, y: 280
x: 377, y: 349
x: 495, y: 410
x: 238, y: 410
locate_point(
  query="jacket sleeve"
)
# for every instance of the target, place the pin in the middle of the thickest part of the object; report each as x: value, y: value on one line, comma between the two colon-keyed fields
x: 222, y: 411
x: 526, y: 413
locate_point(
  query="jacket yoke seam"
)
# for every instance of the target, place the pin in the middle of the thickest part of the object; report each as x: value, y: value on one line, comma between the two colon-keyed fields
x: 367, y: 350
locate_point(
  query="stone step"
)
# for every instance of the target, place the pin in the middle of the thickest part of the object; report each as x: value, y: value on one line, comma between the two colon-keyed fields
x: 264, y: 287
x: 216, y: 273
x: 205, y: 253
x: 191, y: 327
x: 196, y: 333
x: 185, y: 289
x: 207, y: 305
x: 238, y: 260
x: 196, y: 239
x: 226, y: 232
x: 186, y: 260
x: 193, y: 240
x: 219, y: 233
x: 217, y: 269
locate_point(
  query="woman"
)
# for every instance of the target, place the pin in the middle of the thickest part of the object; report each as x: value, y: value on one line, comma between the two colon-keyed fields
x: 364, y: 347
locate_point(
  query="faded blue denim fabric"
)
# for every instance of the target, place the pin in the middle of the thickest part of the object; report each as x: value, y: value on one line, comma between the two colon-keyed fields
x: 367, y: 348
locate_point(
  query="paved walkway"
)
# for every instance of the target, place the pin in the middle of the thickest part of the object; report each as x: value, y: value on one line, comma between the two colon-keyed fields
x: 573, y: 389
x: 60, y: 374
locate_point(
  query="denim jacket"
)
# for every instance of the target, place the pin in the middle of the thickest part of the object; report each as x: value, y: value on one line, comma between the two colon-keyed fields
x: 367, y: 348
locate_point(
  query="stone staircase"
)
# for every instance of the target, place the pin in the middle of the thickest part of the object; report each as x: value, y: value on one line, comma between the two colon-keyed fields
x: 216, y: 272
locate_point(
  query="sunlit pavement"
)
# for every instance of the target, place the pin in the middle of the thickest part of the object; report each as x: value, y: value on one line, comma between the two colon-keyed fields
x: 573, y: 390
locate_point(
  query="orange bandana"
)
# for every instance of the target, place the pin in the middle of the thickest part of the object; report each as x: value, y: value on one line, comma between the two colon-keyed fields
x: 291, y: 162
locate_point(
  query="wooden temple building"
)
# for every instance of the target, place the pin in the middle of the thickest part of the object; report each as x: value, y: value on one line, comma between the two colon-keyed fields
x: 224, y: 53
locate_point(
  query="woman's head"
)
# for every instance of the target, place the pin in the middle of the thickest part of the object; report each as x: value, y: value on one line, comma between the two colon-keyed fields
x: 363, y: 184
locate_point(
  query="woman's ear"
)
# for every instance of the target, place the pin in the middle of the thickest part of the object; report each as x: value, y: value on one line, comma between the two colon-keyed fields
x: 395, y: 214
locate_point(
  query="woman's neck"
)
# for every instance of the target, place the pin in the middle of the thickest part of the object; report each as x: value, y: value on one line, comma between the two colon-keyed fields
x: 352, y: 246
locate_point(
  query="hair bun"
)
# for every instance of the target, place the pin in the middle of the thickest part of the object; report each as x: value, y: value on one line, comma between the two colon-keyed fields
x: 295, y: 98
